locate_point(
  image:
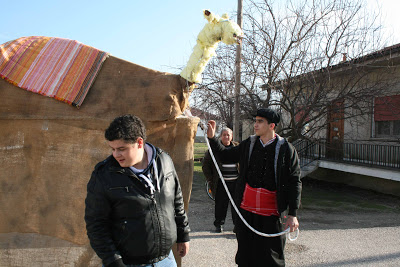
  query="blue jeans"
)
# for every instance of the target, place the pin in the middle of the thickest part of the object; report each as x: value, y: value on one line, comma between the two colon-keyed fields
x: 167, y: 262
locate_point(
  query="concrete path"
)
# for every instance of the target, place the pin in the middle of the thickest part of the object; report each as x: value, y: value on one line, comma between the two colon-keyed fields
x: 351, y: 247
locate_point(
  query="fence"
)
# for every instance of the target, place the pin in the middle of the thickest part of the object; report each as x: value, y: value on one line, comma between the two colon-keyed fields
x: 387, y: 156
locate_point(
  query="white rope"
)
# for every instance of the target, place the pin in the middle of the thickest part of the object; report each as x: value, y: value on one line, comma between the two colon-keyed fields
x: 233, y: 203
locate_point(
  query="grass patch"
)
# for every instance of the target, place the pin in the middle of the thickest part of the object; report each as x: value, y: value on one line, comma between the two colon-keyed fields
x: 374, y: 206
x: 333, y: 197
x: 198, y: 176
x: 197, y: 169
x: 200, y: 146
x: 199, y: 150
x: 198, y: 187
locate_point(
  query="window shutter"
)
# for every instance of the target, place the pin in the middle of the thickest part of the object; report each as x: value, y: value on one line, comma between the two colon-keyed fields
x: 387, y: 108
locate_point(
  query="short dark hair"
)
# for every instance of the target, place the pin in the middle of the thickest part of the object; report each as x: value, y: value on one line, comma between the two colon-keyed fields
x: 127, y: 127
x: 269, y: 114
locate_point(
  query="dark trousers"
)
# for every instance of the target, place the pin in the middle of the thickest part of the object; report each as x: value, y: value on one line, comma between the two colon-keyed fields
x: 222, y: 202
x: 256, y: 250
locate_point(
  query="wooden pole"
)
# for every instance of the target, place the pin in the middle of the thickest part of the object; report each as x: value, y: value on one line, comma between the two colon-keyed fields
x: 236, y: 113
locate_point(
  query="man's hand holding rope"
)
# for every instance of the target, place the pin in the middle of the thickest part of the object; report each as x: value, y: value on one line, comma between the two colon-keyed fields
x: 211, y: 125
x: 292, y: 222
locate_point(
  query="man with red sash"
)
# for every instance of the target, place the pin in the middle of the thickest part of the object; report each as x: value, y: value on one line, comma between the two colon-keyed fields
x: 268, y: 188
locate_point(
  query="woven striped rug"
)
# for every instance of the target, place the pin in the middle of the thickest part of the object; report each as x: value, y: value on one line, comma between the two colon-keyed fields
x: 55, y: 67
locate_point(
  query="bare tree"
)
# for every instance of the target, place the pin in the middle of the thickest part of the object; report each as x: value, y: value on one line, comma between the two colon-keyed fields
x: 216, y: 93
x: 301, y: 57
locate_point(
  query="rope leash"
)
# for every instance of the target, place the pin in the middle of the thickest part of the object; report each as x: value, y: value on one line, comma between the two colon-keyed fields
x: 233, y: 203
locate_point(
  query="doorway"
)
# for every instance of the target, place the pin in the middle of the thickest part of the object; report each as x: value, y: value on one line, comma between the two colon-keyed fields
x: 335, y: 130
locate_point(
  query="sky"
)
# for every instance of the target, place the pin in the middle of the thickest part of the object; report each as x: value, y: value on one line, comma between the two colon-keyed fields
x: 155, y: 34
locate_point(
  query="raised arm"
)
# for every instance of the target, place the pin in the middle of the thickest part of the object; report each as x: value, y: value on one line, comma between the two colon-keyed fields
x: 226, y: 154
x: 211, y: 128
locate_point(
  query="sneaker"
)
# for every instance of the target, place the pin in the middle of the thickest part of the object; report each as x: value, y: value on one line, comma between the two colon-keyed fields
x: 219, y: 229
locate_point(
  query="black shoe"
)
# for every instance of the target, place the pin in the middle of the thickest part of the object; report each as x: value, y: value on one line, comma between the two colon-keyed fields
x: 219, y: 229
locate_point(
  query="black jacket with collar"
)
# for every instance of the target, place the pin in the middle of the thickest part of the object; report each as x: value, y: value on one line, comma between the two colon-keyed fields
x: 287, y: 171
x: 124, y: 221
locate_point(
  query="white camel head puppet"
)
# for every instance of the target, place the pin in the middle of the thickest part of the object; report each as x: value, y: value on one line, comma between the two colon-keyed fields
x: 217, y: 29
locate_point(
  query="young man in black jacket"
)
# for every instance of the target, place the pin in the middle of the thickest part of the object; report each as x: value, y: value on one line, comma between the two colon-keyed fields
x: 134, y: 205
x: 268, y: 186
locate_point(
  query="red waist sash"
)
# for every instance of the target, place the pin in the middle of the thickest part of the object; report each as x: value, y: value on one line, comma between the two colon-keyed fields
x: 259, y: 201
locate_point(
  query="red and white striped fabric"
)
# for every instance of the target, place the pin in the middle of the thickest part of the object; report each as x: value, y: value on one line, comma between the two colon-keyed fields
x: 259, y: 201
x: 55, y: 67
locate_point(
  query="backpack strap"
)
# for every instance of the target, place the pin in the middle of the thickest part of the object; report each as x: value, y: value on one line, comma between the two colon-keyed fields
x: 253, y: 139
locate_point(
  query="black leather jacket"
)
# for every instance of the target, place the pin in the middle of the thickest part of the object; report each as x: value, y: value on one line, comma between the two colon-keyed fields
x: 124, y: 221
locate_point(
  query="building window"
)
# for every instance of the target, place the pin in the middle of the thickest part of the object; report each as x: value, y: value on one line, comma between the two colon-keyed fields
x: 387, y: 116
x: 387, y: 128
x: 396, y: 128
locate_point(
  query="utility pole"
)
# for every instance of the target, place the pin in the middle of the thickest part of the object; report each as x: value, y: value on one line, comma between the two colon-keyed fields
x: 236, y: 113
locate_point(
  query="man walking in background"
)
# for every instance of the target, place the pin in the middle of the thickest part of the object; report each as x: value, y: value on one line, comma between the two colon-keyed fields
x: 229, y: 173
